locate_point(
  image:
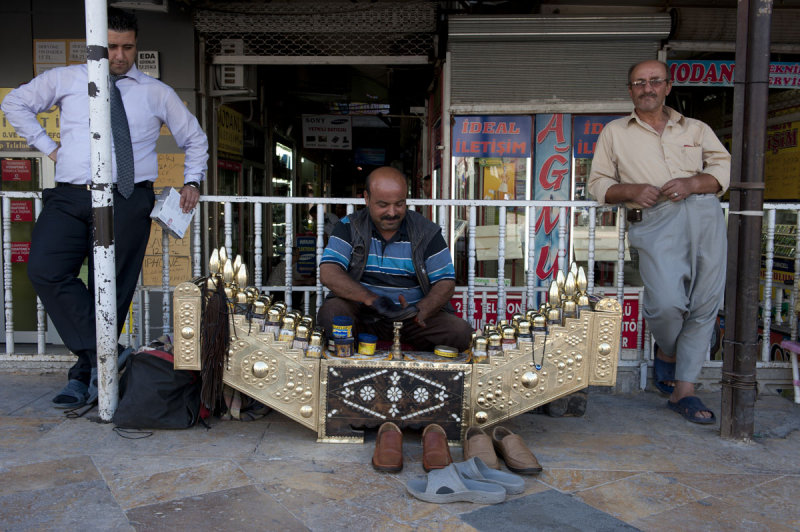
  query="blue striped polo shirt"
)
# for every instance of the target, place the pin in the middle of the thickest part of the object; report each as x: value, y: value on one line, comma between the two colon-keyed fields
x: 390, y: 270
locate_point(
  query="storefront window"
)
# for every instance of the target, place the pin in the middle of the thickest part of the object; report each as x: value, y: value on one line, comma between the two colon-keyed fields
x: 492, y: 162
x: 540, y: 157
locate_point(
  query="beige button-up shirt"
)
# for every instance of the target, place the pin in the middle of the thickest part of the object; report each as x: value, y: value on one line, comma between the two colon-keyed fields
x: 631, y: 151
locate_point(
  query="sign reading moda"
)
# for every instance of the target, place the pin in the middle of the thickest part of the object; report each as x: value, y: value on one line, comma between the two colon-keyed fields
x: 720, y: 73
x: 492, y: 136
x: 327, y: 132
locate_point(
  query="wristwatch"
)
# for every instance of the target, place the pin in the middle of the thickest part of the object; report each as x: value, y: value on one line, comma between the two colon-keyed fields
x: 194, y: 184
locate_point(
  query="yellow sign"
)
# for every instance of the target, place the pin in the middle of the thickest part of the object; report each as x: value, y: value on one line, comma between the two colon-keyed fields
x: 230, y: 130
x: 170, y: 170
x: 499, y: 179
x: 9, y: 140
x: 782, y: 162
x: 170, y: 174
x: 179, y: 254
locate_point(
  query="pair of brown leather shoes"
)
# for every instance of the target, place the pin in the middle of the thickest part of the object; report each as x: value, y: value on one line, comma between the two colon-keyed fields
x: 388, y: 455
x: 509, y: 446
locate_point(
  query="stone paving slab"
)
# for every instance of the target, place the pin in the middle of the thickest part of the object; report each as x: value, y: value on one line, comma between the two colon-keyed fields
x: 242, y: 508
x: 628, y: 463
x: 712, y: 515
x: 549, y: 510
x: 78, y: 506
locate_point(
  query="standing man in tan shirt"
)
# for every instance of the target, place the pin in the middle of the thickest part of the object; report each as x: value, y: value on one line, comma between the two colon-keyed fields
x: 669, y: 170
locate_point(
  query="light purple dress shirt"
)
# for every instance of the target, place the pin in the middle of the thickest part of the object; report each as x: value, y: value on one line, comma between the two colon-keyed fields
x: 148, y: 103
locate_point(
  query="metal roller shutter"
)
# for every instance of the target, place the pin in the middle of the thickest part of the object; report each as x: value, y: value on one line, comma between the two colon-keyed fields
x: 560, y: 60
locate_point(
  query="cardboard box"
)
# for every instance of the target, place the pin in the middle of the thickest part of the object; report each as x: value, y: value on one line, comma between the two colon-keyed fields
x: 168, y: 214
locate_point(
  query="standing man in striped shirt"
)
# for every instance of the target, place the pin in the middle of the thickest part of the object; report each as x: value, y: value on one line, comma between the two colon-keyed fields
x: 384, y: 264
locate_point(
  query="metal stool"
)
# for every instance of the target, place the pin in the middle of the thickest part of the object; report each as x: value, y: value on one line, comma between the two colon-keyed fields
x: 794, y: 349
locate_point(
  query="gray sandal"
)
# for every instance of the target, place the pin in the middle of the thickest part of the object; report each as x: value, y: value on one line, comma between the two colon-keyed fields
x: 476, y: 469
x: 446, y: 485
x: 73, y: 395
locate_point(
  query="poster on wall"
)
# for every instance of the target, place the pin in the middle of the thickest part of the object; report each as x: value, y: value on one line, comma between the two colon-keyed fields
x: 16, y: 169
x: 551, y: 181
x: 52, y: 53
x: 147, y: 62
x: 21, y: 210
x: 20, y: 251
x: 230, y: 130
x: 327, y: 132
x: 307, y: 254
x: 499, y: 178
x: 782, y: 162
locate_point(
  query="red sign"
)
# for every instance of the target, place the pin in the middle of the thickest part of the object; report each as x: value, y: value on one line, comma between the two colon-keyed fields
x: 630, y: 324
x: 16, y: 169
x: 20, y: 251
x: 721, y: 73
x: 224, y: 164
x: 487, y: 313
x: 21, y: 210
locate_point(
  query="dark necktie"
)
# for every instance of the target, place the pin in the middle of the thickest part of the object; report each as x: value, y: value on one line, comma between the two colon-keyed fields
x: 122, y: 141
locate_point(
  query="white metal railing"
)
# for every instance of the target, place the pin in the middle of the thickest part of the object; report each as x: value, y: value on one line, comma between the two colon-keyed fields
x: 141, y: 327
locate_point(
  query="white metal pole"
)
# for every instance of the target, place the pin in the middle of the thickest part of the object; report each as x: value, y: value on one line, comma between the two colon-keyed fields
x: 105, y: 285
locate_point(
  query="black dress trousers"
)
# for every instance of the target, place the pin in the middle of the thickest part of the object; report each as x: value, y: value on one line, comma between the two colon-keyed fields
x: 62, y: 239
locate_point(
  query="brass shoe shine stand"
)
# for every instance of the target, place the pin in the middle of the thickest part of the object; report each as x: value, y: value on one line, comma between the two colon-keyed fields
x: 566, y: 345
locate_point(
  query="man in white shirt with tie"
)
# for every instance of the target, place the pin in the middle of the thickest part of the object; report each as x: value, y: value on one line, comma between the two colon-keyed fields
x: 62, y: 238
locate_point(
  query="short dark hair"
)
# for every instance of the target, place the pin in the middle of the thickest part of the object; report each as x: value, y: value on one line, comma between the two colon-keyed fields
x: 122, y: 21
x: 662, y: 63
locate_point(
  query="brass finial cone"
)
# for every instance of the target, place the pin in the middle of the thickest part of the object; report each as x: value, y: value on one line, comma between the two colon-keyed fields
x: 213, y: 262
x: 227, y: 272
x: 581, y: 280
x: 241, y: 273
x: 554, y: 295
x: 569, y: 286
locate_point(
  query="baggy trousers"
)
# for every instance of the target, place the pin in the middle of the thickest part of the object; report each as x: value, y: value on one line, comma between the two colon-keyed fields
x: 442, y: 328
x: 62, y: 239
x: 682, y: 257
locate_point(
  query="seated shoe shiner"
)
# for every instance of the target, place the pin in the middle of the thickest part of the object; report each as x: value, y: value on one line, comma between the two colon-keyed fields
x: 385, y: 264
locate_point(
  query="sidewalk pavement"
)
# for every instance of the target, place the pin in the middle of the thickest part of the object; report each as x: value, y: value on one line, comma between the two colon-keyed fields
x: 629, y: 463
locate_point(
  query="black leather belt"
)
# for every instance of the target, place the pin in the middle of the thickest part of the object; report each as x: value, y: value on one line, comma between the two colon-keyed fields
x: 140, y: 184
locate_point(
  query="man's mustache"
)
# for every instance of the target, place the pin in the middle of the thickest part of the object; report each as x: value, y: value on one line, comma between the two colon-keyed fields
x: 390, y: 218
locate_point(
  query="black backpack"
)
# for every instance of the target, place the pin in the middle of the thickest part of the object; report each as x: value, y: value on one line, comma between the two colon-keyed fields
x: 154, y: 395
